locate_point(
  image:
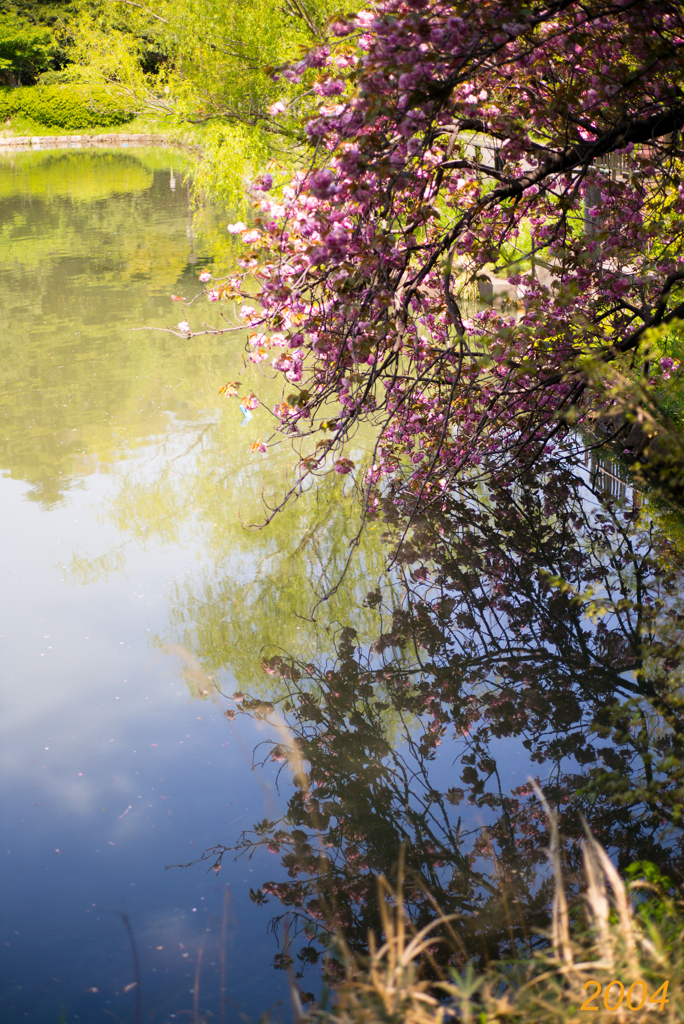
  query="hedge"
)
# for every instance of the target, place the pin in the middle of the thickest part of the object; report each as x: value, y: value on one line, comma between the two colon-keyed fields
x: 9, y: 102
x: 69, y: 106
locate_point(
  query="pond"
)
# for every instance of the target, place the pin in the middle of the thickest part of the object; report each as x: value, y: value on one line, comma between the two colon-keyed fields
x: 512, y: 633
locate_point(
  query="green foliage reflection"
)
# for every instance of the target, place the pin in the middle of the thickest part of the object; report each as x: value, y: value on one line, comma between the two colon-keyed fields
x: 94, y: 244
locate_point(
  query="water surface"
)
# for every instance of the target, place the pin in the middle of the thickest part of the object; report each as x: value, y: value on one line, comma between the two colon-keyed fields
x: 123, y: 474
x: 154, y: 645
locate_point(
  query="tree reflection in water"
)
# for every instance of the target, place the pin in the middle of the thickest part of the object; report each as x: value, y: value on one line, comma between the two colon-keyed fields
x: 538, y: 614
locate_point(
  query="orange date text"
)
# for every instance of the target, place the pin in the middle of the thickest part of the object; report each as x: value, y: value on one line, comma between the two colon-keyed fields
x: 615, y: 996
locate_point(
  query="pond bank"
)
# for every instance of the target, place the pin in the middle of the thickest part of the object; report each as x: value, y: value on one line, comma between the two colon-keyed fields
x: 119, y: 139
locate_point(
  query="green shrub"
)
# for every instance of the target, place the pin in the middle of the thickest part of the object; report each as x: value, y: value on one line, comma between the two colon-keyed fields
x: 61, y: 77
x: 9, y: 102
x: 73, y: 107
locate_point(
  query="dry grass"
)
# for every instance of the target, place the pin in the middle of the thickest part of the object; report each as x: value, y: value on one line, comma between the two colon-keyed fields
x: 615, y: 942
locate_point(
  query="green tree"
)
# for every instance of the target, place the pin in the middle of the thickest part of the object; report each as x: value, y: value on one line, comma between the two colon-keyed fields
x: 205, y: 70
x: 25, y: 49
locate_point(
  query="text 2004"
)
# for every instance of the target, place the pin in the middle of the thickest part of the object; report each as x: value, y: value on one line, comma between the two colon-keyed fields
x: 614, y: 998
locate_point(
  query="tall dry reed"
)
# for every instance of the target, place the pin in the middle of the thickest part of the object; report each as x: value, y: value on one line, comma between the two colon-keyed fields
x: 568, y: 981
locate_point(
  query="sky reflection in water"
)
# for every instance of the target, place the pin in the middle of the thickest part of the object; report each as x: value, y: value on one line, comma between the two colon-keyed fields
x: 110, y: 769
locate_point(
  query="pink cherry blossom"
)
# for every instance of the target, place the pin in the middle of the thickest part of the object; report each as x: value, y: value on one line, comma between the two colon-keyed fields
x: 259, y: 355
x: 465, y: 252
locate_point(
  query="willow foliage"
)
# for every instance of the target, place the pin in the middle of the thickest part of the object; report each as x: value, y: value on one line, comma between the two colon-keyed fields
x: 206, y: 71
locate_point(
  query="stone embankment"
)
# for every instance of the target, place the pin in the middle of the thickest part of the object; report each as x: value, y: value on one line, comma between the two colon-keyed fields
x: 120, y: 139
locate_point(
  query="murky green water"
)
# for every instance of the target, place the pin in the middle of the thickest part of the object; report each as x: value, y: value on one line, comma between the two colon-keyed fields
x: 136, y: 602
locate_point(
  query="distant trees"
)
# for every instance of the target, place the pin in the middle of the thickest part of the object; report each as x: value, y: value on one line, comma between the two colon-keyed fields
x: 198, y: 66
x: 26, y: 49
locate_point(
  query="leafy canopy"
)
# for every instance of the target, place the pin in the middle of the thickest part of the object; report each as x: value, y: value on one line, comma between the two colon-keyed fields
x: 25, y: 49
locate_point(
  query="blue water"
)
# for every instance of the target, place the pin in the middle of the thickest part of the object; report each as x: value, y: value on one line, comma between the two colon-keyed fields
x: 111, y: 768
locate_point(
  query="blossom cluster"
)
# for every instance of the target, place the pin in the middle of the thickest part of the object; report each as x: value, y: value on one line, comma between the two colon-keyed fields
x: 526, y: 152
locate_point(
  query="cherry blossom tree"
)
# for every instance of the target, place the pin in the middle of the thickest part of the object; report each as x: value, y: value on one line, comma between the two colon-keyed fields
x: 486, y: 244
